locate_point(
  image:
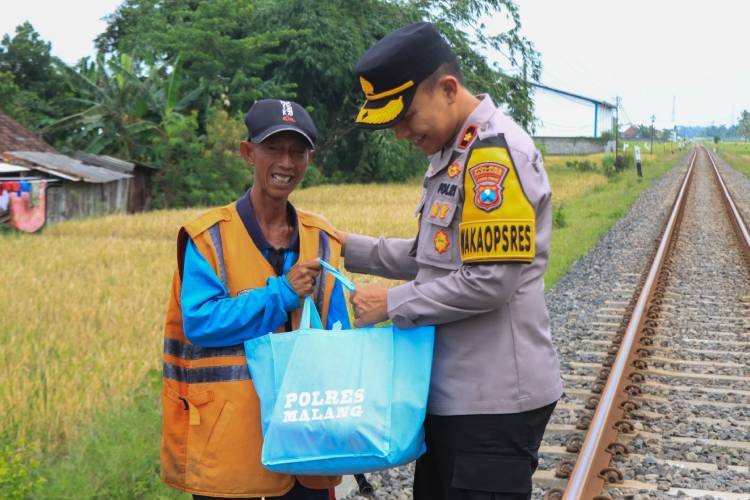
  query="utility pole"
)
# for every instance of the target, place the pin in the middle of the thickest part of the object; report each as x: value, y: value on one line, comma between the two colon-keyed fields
x: 653, y: 118
x: 674, y: 124
x: 617, y: 130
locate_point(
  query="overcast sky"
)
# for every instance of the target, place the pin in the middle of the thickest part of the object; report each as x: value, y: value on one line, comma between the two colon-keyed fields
x: 645, y: 51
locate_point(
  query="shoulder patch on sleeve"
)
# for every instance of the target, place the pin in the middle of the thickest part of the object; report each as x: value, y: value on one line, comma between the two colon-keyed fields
x: 498, y: 221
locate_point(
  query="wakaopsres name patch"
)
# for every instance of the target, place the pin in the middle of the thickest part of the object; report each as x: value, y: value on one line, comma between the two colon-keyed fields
x: 492, y: 241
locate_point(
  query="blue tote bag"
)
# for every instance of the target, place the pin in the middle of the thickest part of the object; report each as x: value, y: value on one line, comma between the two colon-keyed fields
x: 341, y: 401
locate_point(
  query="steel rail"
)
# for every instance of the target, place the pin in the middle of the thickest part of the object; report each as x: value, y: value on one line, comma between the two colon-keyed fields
x: 737, y: 219
x: 586, y: 480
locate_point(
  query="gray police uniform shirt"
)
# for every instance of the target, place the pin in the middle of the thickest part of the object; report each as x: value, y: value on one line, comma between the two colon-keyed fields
x: 493, y: 349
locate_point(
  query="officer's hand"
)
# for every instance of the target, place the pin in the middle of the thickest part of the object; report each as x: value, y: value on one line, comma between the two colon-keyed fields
x: 302, y: 277
x: 370, y: 304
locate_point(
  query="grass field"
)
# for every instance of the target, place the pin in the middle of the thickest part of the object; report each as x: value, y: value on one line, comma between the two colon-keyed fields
x: 81, y: 316
x: 737, y: 154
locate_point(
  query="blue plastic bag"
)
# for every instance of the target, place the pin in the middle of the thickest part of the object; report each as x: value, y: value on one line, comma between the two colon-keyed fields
x: 342, y: 401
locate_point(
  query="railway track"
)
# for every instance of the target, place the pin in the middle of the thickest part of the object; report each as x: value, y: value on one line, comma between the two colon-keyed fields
x: 658, y: 400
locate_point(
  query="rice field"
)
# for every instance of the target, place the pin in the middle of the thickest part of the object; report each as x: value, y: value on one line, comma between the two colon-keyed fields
x: 82, y: 304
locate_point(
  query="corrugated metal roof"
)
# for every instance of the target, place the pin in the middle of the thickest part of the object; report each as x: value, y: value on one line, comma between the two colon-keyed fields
x: 108, y: 162
x: 6, y: 168
x: 69, y: 167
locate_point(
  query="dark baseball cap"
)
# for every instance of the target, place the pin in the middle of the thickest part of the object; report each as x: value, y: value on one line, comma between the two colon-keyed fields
x: 390, y: 71
x: 270, y: 116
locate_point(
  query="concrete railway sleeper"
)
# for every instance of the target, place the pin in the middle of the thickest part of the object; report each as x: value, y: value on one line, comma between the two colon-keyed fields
x: 667, y: 410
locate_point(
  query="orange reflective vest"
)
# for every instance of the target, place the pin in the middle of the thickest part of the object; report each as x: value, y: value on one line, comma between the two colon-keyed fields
x: 211, y: 440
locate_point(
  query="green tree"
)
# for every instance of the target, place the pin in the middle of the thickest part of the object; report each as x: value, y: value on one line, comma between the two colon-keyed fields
x: 200, y: 169
x: 218, y: 40
x: 307, y: 50
x: 743, y: 126
x: 41, y: 94
x: 123, y: 111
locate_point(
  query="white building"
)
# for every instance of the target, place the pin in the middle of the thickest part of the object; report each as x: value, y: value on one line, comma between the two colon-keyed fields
x: 560, y: 113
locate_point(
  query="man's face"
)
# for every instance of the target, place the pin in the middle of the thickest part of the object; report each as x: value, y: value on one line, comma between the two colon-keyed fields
x: 431, y: 121
x: 280, y: 163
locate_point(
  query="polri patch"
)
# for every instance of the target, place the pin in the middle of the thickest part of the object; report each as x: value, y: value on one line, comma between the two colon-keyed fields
x: 488, y: 180
x: 442, y: 241
x: 454, y: 170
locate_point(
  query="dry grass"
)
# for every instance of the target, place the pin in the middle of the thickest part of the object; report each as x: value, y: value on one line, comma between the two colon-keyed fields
x: 82, y: 304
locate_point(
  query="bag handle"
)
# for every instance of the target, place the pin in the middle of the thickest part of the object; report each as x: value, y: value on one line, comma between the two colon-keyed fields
x: 310, y: 317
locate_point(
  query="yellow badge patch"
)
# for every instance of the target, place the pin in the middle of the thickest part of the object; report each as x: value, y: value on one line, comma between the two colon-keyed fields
x: 454, y: 170
x: 444, y: 211
x: 435, y: 209
x: 442, y: 241
x: 498, y: 221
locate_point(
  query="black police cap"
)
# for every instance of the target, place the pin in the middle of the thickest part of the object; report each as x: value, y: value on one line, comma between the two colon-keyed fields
x: 390, y: 71
x: 270, y: 116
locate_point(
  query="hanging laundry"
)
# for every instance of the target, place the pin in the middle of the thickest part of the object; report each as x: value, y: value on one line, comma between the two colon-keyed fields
x: 34, y: 194
x: 24, y: 217
x: 23, y: 187
x: 4, y: 200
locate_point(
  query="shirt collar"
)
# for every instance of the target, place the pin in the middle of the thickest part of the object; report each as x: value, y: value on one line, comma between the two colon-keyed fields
x: 247, y: 214
x: 467, y: 134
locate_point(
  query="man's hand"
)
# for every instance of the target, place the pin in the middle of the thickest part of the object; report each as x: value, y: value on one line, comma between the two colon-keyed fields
x: 341, y: 235
x: 370, y: 303
x: 302, y: 277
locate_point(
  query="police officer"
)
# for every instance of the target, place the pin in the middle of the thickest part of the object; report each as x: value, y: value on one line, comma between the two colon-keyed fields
x: 475, y: 269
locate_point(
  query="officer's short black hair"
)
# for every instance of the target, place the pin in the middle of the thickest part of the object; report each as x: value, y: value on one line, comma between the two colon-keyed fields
x: 452, y: 67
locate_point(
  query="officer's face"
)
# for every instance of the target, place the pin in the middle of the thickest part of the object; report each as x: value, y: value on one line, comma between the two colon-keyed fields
x: 280, y: 163
x: 432, y: 119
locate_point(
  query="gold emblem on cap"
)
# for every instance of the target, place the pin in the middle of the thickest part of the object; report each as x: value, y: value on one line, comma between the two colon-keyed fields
x: 377, y: 116
x: 367, y: 87
x: 370, y: 94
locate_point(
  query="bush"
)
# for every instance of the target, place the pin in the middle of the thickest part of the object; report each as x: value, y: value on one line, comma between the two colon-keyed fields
x: 558, y: 218
x: 581, y: 166
x: 605, y: 137
x: 313, y: 177
x: 19, y: 475
x: 608, y: 166
x: 200, y: 170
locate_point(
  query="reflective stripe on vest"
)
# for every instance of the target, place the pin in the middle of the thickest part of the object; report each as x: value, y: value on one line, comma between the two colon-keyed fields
x: 191, y: 352
x: 324, y: 252
x: 206, y: 374
x: 184, y: 350
x: 215, y: 234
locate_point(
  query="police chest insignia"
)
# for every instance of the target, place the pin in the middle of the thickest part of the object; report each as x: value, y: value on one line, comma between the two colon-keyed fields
x: 467, y: 137
x: 442, y: 241
x: 454, y: 170
x: 488, y: 180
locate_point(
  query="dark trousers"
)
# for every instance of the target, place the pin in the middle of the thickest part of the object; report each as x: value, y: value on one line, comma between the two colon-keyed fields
x: 298, y: 492
x: 480, y: 457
